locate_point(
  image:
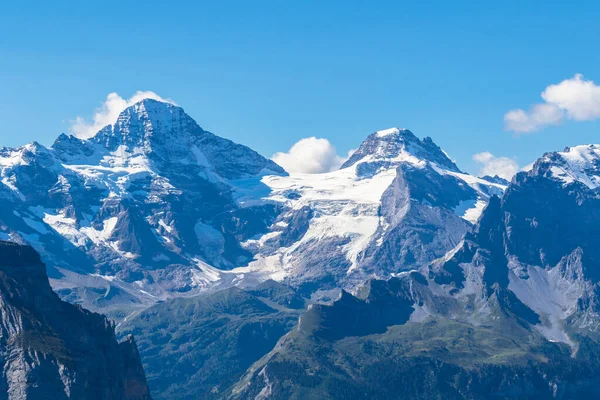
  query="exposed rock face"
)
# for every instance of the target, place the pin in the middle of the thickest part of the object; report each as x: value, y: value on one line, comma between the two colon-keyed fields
x: 502, y: 297
x: 397, y: 204
x: 511, y: 312
x: 154, y: 207
x: 400, y: 339
x: 495, y: 179
x: 54, y: 350
x: 539, y: 242
x: 146, y: 209
x: 384, y: 145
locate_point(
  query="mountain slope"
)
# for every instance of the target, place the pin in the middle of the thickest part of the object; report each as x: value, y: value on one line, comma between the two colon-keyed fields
x: 539, y: 242
x: 144, y: 210
x: 510, y: 312
x: 154, y: 207
x: 54, y: 350
x: 197, y: 347
x: 397, y: 204
x: 377, y: 347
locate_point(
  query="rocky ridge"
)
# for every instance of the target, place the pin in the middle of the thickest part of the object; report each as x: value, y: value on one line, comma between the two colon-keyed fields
x: 54, y: 350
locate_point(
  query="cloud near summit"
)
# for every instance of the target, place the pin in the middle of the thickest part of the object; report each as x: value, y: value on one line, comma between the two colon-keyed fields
x: 108, y: 112
x: 575, y: 99
x: 310, y: 156
x: 491, y: 165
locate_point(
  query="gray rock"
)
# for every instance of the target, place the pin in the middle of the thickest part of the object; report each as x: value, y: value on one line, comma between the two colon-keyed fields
x: 54, y: 350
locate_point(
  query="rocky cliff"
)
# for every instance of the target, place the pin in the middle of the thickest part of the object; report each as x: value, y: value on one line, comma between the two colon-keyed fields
x: 50, y: 349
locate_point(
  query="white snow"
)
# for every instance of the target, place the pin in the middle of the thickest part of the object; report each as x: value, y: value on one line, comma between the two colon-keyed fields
x: 165, y: 226
x: 581, y: 163
x: 10, y: 158
x: 160, y: 257
x: 476, y: 183
x: 343, y: 206
x: 470, y: 210
x: 204, y: 274
x: 261, y: 240
x: 337, y: 186
x: 388, y: 132
x: 563, y: 174
x: 102, y: 236
x: 67, y: 227
x: 200, y: 157
x: 109, y: 278
x: 116, y: 170
x: 207, y: 235
x: 58, y: 219
x: 10, y: 183
x: 211, y: 240
x: 13, y: 157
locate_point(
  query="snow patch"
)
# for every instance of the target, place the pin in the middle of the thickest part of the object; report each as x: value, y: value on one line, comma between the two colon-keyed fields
x: 470, y: 210
x: 387, y: 132
x: 580, y: 163
x: 101, y: 236
x: 165, y: 226
x: 67, y: 227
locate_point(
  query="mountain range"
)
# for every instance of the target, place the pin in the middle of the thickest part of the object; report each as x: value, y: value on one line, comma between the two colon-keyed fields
x: 396, y: 275
x: 153, y: 207
x: 511, y: 312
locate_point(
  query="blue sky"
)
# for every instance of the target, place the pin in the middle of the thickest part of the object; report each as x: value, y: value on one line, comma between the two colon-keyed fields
x: 267, y: 74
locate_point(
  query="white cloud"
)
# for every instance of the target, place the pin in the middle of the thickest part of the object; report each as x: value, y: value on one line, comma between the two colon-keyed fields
x: 573, y: 98
x: 108, y: 112
x: 539, y: 115
x: 310, y: 156
x: 504, y: 167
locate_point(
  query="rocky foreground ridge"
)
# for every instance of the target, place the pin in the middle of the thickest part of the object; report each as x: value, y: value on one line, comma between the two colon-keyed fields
x: 50, y: 349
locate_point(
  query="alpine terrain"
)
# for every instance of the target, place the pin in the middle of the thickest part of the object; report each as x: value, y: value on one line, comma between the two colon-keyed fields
x: 396, y: 276
x: 511, y: 312
x: 154, y: 207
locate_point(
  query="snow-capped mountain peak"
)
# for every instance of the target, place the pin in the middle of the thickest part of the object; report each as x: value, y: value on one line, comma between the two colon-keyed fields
x: 574, y: 164
x: 392, y: 146
x: 388, y: 132
x: 160, y: 136
x: 140, y: 201
x: 364, y: 215
x: 159, y: 207
x: 149, y: 122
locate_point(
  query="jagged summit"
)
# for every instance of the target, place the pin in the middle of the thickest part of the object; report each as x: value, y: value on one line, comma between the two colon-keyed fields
x: 151, y: 194
x: 134, y: 125
x: 157, y: 135
x: 574, y: 164
x: 153, y: 207
x: 396, y: 145
x: 149, y: 122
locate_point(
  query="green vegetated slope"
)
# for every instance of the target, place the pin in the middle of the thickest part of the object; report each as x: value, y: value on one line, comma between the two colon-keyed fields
x: 436, y: 358
x: 196, y: 347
